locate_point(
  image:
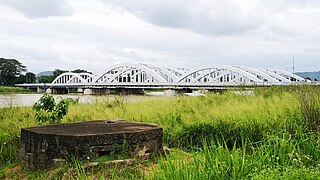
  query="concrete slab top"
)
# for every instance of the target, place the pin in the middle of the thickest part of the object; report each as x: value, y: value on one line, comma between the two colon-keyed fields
x: 98, y: 127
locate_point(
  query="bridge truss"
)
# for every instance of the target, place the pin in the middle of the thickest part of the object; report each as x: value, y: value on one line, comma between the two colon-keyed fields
x: 131, y: 74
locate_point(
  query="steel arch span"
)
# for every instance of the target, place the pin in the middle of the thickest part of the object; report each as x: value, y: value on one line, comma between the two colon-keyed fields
x: 220, y: 74
x: 129, y: 73
x: 88, y: 77
x: 165, y: 73
x: 73, y: 78
x: 288, y: 75
x: 259, y: 74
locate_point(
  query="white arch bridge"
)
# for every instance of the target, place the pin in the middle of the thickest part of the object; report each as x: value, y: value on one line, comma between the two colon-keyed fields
x: 146, y: 76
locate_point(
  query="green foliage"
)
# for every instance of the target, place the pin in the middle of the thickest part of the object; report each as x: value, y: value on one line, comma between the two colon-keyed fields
x: 213, y: 160
x: 45, y: 79
x: 289, y: 172
x: 56, y: 73
x: 81, y: 71
x: 28, y: 78
x: 11, y: 90
x: 309, y: 98
x: 80, y: 171
x: 49, y: 79
x: 231, y: 133
x: 227, y: 136
x: 9, y: 70
x: 117, y: 102
x: 273, y: 90
x: 9, y: 149
x: 48, y: 111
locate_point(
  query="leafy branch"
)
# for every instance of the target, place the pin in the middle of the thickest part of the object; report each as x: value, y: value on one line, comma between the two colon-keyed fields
x: 48, y: 111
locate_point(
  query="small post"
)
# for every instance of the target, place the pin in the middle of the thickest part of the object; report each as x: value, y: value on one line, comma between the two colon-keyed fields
x: 292, y: 62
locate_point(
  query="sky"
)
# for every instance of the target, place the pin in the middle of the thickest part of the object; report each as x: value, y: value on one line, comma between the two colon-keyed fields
x: 93, y: 35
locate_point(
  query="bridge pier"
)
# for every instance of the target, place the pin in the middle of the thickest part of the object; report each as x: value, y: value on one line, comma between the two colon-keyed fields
x: 184, y: 90
x: 218, y: 91
x: 40, y: 90
x: 96, y: 91
x: 175, y: 92
x: 80, y: 90
x: 57, y: 91
x: 103, y: 91
x: 170, y: 93
x: 126, y: 91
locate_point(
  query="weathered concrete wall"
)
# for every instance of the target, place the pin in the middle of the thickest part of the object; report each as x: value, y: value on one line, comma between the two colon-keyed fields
x: 43, y: 145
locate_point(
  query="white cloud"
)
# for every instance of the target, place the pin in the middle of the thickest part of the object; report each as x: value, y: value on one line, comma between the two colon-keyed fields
x: 219, y: 17
x: 95, y: 34
x: 40, y: 9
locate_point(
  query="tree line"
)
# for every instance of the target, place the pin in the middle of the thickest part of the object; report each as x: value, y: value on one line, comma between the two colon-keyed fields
x: 14, y: 72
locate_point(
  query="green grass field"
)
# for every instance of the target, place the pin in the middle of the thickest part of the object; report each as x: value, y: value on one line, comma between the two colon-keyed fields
x: 272, y: 134
x: 13, y: 90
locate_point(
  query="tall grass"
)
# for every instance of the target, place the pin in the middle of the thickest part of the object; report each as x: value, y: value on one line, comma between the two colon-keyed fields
x: 217, y: 161
x: 309, y: 98
x: 218, y: 136
x: 10, y: 90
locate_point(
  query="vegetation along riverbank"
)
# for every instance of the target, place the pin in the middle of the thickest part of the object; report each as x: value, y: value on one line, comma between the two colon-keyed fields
x: 14, y: 90
x: 272, y: 134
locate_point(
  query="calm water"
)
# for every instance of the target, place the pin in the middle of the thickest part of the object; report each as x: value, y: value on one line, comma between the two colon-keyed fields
x: 8, y: 100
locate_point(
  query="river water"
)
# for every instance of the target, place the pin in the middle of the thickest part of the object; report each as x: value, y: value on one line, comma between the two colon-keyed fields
x: 10, y: 100
x: 14, y: 100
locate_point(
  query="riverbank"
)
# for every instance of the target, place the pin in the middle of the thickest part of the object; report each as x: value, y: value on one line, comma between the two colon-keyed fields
x: 14, y: 90
x: 266, y: 135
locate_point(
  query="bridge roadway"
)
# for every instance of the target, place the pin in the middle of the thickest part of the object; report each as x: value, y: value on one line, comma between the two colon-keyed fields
x: 170, y: 89
x: 138, y: 77
x: 161, y: 85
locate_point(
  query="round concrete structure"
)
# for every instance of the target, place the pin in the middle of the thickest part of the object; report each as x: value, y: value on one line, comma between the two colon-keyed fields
x: 42, y: 145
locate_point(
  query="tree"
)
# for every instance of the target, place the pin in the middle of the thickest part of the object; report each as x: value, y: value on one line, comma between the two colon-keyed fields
x: 45, y: 79
x: 57, y: 72
x: 81, y: 71
x: 47, y: 110
x: 28, y: 78
x: 10, y: 69
x: 50, y: 79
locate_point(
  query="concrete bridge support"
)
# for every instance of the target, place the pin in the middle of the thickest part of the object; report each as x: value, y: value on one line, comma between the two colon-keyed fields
x: 57, y: 91
x: 218, y: 91
x: 80, y: 90
x: 137, y: 91
x: 170, y: 93
x: 49, y: 91
x: 100, y: 91
x: 41, y: 90
x: 175, y: 92
x: 87, y: 91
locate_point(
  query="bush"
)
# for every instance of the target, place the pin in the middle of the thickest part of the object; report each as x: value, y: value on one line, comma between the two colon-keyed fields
x: 47, y: 110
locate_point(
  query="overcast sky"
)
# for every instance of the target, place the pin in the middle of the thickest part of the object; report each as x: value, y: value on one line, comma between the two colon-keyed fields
x: 95, y: 34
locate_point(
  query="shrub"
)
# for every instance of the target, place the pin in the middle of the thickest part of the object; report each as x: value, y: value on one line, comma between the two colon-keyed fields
x: 47, y: 110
